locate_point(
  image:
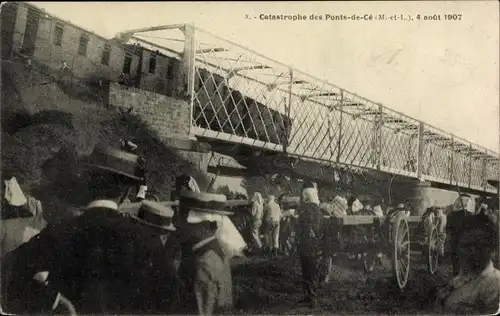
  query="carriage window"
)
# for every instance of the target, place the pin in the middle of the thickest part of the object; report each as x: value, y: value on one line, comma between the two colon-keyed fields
x: 170, y: 70
x: 105, y: 55
x: 84, y: 42
x: 152, y: 64
x: 58, y: 34
x: 127, y: 63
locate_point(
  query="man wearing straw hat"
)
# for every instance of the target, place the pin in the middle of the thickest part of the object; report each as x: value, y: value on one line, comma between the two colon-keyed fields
x: 160, y: 275
x: 205, y: 272
x: 94, y: 259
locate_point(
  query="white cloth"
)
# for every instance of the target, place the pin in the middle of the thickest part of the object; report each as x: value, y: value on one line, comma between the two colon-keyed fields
x: 310, y: 195
x: 13, y: 193
x: 257, y: 197
x: 339, y: 206
x: 357, y: 206
x: 257, y: 211
x: 227, y: 234
x: 41, y: 277
x: 378, y: 211
x: 142, y: 191
x: 193, y: 185
x: 333, y: 208
x: 230, y: 238
x: 17, y: 231
x: 195, y: 217
x: 34, y: 205
x: 272, y: 211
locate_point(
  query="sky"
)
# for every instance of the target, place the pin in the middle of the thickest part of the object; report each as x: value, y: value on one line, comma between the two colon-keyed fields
x: 445, y: 72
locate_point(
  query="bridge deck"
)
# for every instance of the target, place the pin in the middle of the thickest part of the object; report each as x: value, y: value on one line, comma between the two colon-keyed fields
x: 243, y: 97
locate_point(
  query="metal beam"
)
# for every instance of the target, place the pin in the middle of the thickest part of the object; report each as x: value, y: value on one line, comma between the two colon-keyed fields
x: 258, y: 67
x: 289, y: 127
x: 470, y: 166
x: 380, y: 124
x: 325, y: 94
x: 354, y: 104
x: 369, y: 112
x: 211, y: 50
x: 276, y: 84
x: 339, y: 142
x: 394, y: 121
x: 157, y: 46
x: 126, y: 35
x: 420, y: 153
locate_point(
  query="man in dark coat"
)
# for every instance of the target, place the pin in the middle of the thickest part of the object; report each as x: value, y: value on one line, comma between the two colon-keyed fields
x: 309, y: 241
x: 95, y: 260
x: 456, y: 220
x: 160, y: 270
x: 205, y: 271
x: 128, y: 146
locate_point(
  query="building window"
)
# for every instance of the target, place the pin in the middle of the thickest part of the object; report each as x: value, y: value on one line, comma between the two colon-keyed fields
x: 170, y: 70
x: 127, y: 63
x: 152, y: 64
x: 58, y: 34
x: 84, y: 42
x: 105, y: 55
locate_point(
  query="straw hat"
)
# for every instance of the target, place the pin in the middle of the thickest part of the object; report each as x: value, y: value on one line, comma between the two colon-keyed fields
x: 155, y: 215
x: 115, y: 161
x: 204, y: 206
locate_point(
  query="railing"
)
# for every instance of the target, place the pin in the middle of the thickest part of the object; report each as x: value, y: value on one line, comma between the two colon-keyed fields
x: 313, y: 119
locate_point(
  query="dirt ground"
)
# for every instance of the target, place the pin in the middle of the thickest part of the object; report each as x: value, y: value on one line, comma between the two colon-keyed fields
x: 274, y: 287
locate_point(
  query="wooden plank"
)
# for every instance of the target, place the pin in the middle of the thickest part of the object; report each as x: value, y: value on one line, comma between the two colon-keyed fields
x: 414, y: 219
x: 127, y: 207
x: 353, y: 220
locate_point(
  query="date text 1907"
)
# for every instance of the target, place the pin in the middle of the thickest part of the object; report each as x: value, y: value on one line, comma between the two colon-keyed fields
x: 439, y: 17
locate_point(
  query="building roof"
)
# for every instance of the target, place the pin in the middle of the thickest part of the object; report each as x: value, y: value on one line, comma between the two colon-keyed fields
x: 67, y: 22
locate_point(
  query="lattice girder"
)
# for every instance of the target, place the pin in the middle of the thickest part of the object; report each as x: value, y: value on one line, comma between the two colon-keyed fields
x: 241, y: 96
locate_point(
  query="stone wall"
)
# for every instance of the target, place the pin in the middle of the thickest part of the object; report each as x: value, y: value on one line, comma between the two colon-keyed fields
x: 168, y: 116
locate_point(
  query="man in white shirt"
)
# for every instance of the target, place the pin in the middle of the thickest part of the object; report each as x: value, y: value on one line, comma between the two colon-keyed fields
x: 272, y: 217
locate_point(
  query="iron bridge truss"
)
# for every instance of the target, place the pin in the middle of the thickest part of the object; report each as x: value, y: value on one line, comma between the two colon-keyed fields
x: 242, y: 97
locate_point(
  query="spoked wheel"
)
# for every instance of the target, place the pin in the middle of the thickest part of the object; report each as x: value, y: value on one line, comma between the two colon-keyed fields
x: 401, y: 250
x: 369, y: 261
x: 288, y: 238
x: 242, y: 224
x: 289, y: 244
x: 432, y: 251
x: 370, y: 258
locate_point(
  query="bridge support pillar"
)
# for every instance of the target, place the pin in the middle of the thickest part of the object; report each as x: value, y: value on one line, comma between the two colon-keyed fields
x: 422, y: 195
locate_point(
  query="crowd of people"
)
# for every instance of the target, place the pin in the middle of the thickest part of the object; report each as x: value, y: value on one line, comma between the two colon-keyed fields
x: 177, y: 260
x: 472, y: 233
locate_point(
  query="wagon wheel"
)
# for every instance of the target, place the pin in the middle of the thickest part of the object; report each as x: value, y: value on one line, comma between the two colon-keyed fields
x: 242, y: 224
x: 369, y: 260
x: 369, y: 257
x: 288, y: 241
x: 431, y: 250
x: 289, y: 244
x: 401, y: 250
